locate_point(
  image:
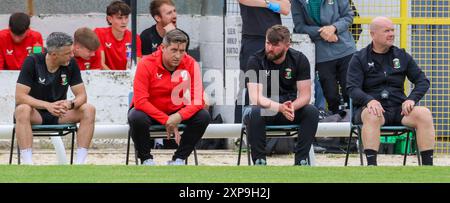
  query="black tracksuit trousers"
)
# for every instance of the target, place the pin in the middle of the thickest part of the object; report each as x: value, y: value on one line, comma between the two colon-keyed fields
x: 307, y: 117
x: 140, y: 123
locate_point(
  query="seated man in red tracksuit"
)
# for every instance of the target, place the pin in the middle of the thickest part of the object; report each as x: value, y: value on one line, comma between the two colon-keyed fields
x: 168, y: 91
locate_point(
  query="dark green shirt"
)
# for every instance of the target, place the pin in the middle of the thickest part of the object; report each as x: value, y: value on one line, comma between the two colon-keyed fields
x: 314, y: 10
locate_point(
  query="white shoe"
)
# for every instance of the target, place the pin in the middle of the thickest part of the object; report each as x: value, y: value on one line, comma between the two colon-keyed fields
x: 148, y: 162
x: 177, y: 162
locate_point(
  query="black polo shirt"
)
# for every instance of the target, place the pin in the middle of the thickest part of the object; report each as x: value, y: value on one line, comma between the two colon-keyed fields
x: 294, y: 68
x: 151, y: 40
x: 48, y: 86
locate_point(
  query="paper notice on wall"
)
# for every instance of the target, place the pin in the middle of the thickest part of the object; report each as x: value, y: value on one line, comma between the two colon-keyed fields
x: 232, y: 35
x: 233, y: 30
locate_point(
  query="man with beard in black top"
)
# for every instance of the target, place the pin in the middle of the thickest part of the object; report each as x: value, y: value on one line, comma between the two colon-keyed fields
x: 41, y: 96
x: 291, y: 70
x: 165, y: 15
x: 257, y: 16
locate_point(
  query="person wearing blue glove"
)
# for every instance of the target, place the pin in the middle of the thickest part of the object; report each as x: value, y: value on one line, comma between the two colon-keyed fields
x: 257, y: 16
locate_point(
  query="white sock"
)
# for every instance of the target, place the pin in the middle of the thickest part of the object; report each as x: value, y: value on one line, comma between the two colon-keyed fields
x: 81, y: 155
x: 26, y: 156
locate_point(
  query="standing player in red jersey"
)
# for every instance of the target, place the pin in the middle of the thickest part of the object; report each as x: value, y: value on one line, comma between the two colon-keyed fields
x: 86, y: 49
x: 116, y: 38
x: 17, y: 42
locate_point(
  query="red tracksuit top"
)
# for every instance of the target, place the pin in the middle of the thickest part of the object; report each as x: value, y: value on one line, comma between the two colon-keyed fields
x: 94, y: 63
x: 154, y: 86
x: 115, y: 50
x: 12, y: 55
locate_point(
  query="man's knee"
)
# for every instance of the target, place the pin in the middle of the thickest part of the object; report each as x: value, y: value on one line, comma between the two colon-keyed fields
x: 423, y: 115
x: 203, y: 117
x: 255, y: 112
x: 251, y: 113
x: 23, y: 112
x: 88, y: 111
x: 137, y: 117
x: 371, y: 119
x: 310, y: 112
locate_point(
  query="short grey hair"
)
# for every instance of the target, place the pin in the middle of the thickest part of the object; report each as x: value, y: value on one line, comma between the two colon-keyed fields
x: 175, y: 36
x: 57, y: 40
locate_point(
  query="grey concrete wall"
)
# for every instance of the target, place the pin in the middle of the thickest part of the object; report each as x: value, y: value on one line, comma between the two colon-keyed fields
x: 212, y: 7
x: 11, y: 6
x: 190, y: 7
x: 69, y: 6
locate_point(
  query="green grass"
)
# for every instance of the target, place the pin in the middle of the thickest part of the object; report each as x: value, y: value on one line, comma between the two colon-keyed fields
x: 221, y: 174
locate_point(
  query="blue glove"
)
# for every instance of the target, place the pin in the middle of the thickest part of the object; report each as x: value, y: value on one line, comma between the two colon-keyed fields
x: 275, y: 7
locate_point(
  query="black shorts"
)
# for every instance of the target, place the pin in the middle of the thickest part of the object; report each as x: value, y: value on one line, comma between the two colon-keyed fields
x: 392, y: 116
x: 48, y: 118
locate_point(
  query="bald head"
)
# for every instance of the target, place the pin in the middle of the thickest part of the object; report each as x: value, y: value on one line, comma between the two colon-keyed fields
x: 382, y: 33
x: 379, y: 22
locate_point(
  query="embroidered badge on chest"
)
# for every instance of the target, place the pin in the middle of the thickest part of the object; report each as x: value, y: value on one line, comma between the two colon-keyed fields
x: 288, y: 73
x: 29, y: 50
x: 64, y: 79
x: 87, y: 65
x: 396, y: 62
x: 184, y: 75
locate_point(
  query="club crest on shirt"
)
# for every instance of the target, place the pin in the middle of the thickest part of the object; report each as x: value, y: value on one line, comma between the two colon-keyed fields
x: 64, y: 79
x: 396, y: 62
x: 288, y: 73
x: 184, y: 75
x: 108, y: 45
x: 87, y: 65
x: 9, y: 52
x: 29, y: 50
